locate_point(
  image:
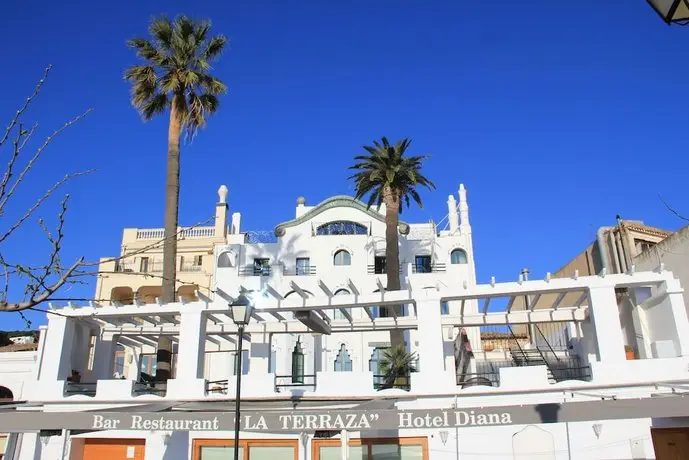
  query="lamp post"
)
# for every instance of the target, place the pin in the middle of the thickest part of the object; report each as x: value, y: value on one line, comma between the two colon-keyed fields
x: 242, y: 307
x: 672, y: 11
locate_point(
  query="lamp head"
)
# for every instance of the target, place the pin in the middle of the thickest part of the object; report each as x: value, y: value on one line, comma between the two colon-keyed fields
x: 242, y: 308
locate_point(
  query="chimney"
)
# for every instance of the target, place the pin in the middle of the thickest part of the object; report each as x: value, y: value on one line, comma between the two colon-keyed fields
x: 301, y: 206
x: 452, y: 215
x: 236, y: 220
x: 221, y: 212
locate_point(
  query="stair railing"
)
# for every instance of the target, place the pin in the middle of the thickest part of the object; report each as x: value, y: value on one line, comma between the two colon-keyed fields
x: 514, y: 337
x: 547, y: 343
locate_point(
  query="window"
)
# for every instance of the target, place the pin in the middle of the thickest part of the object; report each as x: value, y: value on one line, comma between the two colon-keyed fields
x: 342, y: 257
x: 198, y: 260
x: 91, y: 353
x: 422, y: 264
x: 257, y: 449
x: 303, y: 266
x: 444, y: 308
x: 262, y: 267
x: 342, y: 227
x: 143, y: 266
x: 379, y: 265
x: 337, y: 314
x: 374, y: 366
x: 225, y: 259
x: 148, y: 363
x: 373, y: 449
x: 118, y: 364
x: 343, y: 363
x: 458, y: 256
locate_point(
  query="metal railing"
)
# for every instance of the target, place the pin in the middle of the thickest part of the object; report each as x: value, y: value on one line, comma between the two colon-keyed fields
x: 293, y: 381
x: 488, y: 372
x: 426, y: 268
x: 216, y: 387
x: 74, y: 388
x: 299, y: 271
x: 141, y: 388
x: 501, y: 338
x: 190, y: 267
x: 380, y: 382
x: 371, y: 270
x: 251, y: 270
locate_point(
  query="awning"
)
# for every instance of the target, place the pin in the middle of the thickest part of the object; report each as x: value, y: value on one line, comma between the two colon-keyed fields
x: 209, y: 417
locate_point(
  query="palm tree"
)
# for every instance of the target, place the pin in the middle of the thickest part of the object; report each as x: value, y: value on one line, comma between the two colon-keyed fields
x: 387, y: 176
x: 175, y: 76
x: 396, y: 366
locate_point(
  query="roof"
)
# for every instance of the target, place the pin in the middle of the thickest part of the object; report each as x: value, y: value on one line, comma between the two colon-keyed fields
x: 337, y: 201
x: 19, y: 347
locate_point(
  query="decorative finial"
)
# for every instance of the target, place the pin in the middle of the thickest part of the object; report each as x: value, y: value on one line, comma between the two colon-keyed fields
x: 301, y: 201
x: 222, y: 194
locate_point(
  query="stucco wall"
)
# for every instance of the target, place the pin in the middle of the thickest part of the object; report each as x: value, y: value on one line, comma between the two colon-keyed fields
x: 673, y: 251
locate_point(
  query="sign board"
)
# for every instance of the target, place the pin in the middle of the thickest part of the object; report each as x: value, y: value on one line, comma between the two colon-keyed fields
x: 337, y: 420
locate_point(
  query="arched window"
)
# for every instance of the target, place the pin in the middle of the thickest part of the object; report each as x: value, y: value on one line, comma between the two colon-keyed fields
x: 225, y: 259
x: 343, y: 363
x: 337, y: 314
x: 458, y: 256
x: 342, y: 257
x: 374, y: 365
x: 341, y: 227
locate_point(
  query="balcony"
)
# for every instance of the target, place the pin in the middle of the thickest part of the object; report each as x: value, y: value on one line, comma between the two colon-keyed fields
x: 190, y: 267
x: 427, y: 268
x: 253, y: 270
x: 377, y: 270
x: 295, y: 382
x: 299, y: 271
x: 74, y: 388
x: 380, y: 382
x: 558, y: 369
x: 159, y: 233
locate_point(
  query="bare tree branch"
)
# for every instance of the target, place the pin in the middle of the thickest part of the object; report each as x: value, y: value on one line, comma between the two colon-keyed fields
x: 671, y: 209
x: 39, y: 282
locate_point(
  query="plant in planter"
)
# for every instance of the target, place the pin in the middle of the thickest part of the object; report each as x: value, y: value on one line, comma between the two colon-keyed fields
x: 397, y: 364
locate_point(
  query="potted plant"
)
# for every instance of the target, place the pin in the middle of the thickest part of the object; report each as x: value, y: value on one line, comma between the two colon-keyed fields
x: 397, y: 365
x: 629, y: 352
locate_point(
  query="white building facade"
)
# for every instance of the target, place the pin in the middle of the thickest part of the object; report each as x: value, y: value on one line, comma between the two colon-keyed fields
x: 490, y: 381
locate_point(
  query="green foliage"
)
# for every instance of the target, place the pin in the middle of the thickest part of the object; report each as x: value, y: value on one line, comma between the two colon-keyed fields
x: 396, y: 366
x: 386, y: 168
x: 4, y: 339
x: 177, y: 62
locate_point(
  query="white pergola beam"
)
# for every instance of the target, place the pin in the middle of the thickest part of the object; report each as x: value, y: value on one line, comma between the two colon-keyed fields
x: 324, y: 287
x: 224, y: 295
x: 534, y: 301
x: 485, y: 305
x: 271, y: 290
x: 584, y: 295
x: 558, y: 300
x: 510, y: 303
x: 296, y: 288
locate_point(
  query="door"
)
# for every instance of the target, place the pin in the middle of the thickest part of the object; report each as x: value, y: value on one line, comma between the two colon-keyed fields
x: 114, y: 449
x: 671, y: 443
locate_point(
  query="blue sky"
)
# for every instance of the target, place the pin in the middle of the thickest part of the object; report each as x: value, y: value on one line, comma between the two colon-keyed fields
x: 556, y: 115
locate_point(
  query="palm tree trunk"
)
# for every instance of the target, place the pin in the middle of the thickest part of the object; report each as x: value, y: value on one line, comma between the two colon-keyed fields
x: 392, y: 256
x: 164, y: 352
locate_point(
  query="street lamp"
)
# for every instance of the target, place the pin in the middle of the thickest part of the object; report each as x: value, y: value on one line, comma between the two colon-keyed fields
x: 242, y: 308
x: 672, y: 11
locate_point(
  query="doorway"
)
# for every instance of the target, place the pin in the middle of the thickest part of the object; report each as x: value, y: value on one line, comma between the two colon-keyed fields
x: 670, y: 443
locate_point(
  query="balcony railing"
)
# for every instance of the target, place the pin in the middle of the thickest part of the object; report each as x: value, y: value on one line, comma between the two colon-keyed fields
x: 299, y: 271
x: 190, y: 268
x: 216, y: 387
x: 373, y: 270
x: 488, y: 372
x: 251, y: 270
x: 290, y: 381
x: 74, y: 388
x: 402, y: 382
x: 159, y: 233
x: 427, y: 268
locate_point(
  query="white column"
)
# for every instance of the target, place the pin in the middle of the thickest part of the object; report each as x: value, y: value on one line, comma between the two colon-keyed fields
x: 189, y: 381
x: 192, y: 345
x: 605, y: 319
x: 433, y: 377
x: 259, y: 353
x: 57, y: 353
x: 104, y: 357
x: 679, y: 314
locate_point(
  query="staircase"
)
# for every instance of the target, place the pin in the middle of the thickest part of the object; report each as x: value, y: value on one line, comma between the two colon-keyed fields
x: 531, y: 357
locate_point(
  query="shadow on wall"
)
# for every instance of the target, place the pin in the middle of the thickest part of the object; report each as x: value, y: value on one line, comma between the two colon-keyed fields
x: 176, y: 444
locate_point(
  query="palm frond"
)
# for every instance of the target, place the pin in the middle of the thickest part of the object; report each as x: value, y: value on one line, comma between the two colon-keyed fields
x: 161, y: 30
